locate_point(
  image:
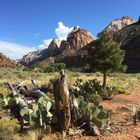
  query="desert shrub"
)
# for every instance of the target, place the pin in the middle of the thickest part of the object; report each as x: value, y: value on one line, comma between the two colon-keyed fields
x: 27, y: 69
x: 92, y: 90
x: 85, y: 89
x: 105, y: 56
x: 32, y: 135
x: 3, y: 91
x: 121, y: 90
x: 38, y: 115
x: 108, y: 93
x: 8, y: 127
x: 93, y: 114
x: 54, y: 67
x: 87, y: 101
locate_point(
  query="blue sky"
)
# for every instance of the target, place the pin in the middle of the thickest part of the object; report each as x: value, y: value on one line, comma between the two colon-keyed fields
x: 27, y: 25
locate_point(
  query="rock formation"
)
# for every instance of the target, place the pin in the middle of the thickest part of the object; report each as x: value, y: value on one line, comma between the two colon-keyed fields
x: 118, y: 24
x: 77, y: 39
x: 6, y: 62
x: 27, y: 59
x: 72, y: 51
x: 129, y: 38
x: 54, y: 46
x: 33, y: 57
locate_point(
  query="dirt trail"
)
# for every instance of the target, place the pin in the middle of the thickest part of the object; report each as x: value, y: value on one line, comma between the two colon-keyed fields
x: 121, y: 107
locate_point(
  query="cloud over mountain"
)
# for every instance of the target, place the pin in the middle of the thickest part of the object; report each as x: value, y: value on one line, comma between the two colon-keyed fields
x: 61, y: 32
x: 45, y: 44
x: 13, y: 50
x: 16, y: 51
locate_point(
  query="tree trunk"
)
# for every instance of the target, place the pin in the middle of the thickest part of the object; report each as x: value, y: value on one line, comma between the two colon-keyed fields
x: 62, y: 102
x: 104, y: 79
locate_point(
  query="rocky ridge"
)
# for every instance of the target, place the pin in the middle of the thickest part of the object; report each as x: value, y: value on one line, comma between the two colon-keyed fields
x: 6, y: 62
x: 73, y: 51
x: 119, y: 24
x: 77, y: 39
x: 129, y: 38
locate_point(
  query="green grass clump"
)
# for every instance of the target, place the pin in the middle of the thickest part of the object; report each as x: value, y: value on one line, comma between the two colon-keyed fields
x: 8, y: 127
x: 3, y: 91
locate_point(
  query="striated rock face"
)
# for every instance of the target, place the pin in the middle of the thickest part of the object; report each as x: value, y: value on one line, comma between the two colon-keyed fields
x: 27, y: 59
x: 129, y: 38
x: 118, y: 24
x: 77, y: 39
x: 53, y: 49
x: 54, y: 46
x: 33, y: 57
x: 6, y: 62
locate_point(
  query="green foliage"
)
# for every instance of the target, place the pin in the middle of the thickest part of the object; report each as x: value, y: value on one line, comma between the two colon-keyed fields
x: 8, y: 127
x: 92, y: 113
x: 39, y: 115
x: 120, y: 90
x: 89, y: 89
x: 92, y: 90
x: 54, y: 67
x: 3, y: 91
x: 106, y: 56
x: 108, y: 93
x: 1, y: 102
x: 11, y: 101
x: 88, y: 97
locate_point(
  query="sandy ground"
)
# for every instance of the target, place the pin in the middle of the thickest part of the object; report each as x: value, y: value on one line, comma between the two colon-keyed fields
x: 121, y: 106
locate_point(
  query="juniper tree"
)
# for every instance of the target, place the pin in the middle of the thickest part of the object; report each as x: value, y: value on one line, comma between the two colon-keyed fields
x: 106, y: 56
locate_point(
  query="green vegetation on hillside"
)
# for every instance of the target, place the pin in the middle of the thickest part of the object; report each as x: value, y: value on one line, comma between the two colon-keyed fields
x: 106, y: 56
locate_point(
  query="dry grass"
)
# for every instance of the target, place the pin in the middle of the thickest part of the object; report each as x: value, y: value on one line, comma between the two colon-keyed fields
x: 127, y: 81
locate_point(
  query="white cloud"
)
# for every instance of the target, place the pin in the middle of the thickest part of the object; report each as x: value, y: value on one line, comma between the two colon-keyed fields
x: 16, y: 51
x: 13, y: 50
x: 62, y: 31
x: 45, y: 44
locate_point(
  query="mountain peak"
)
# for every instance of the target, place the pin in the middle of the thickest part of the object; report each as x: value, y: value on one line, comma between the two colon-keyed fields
x: 118, y: 24
x: 76, y: 39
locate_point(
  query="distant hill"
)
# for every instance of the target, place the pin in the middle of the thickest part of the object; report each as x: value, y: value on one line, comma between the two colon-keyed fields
x: 79, y: 58
x: 6, y: 62
x: 73, y: 51
x: 58, y: 49
x: 119, y: 24
x: 127, y: 33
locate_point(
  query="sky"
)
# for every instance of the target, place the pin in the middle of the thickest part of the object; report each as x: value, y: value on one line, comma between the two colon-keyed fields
x: 30, y: 25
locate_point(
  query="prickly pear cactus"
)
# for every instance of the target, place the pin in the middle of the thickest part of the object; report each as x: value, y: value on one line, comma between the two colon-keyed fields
x: 91, y: 113
x: 39, y: 115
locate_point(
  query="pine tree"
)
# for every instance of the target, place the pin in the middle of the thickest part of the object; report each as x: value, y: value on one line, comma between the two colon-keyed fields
x: 106, y: 56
